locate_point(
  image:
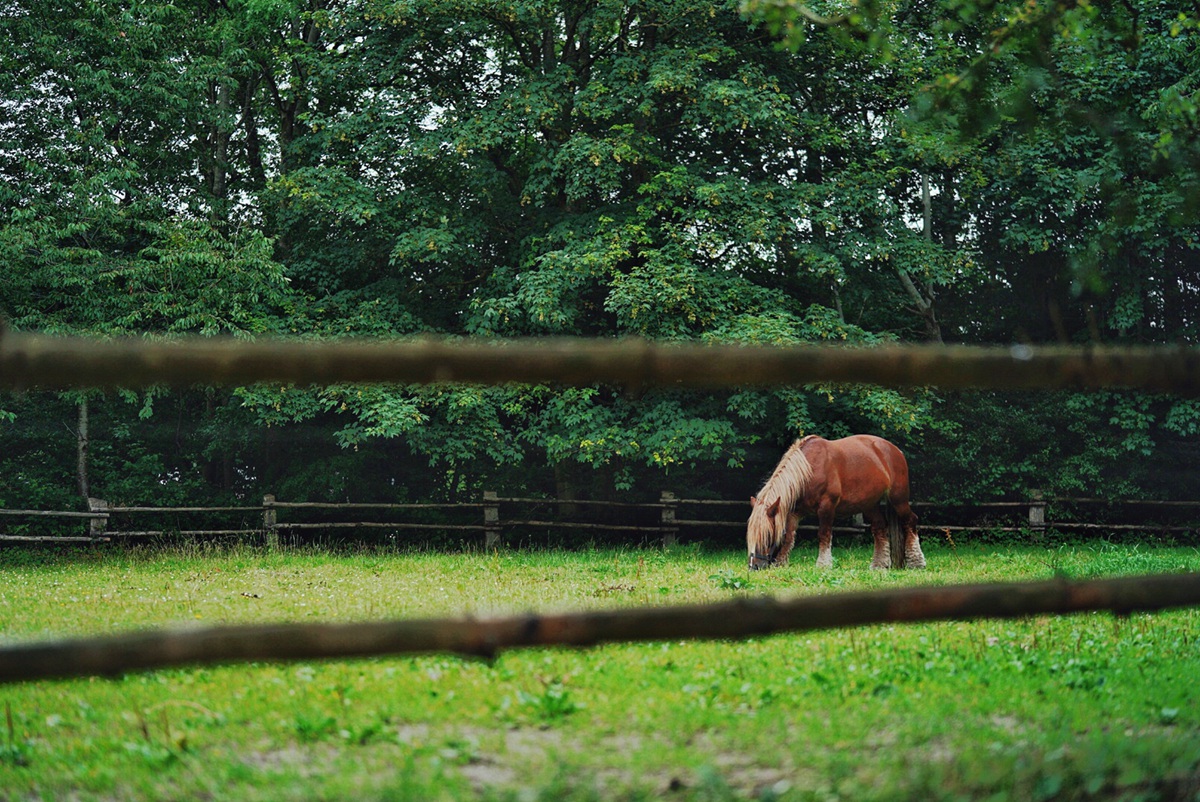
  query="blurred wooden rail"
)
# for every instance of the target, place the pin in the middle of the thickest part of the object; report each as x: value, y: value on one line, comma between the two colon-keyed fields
x: 740, y: 618
x: 39, y: 361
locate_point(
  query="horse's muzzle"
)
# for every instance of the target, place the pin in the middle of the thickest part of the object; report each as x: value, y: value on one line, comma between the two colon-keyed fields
x: 760, y: 561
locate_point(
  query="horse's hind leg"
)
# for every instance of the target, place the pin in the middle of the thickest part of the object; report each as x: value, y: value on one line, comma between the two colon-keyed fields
x: 882, y: 559
x: 913, y: 556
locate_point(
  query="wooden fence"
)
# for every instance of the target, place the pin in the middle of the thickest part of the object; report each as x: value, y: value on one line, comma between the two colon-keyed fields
x: 665, y: 520
x: 28, y: 360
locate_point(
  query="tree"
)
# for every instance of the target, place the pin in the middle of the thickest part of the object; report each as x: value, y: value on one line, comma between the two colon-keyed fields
x: 598, y: 169
x: 952, y: 171
x: 113, y: 184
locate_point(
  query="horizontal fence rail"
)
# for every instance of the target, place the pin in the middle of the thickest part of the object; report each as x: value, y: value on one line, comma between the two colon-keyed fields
x: 33, y: 361
x: 740, y: 618
x: 661, y: 518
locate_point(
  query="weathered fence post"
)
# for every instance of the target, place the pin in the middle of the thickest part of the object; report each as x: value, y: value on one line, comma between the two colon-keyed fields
x: 96, y: 526
x: 1037, y: 510
x: 270, y: 522
x: 670, y: 529
x: 491, y: 519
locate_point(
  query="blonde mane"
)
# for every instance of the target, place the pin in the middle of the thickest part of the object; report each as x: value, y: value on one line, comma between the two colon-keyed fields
x: 787, y: 484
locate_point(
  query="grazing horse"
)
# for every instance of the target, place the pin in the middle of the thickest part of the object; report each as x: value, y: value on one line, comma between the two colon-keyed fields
x: 832, y: 477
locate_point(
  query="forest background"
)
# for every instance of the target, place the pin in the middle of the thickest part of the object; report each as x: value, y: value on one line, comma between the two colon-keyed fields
x: 958, y: 171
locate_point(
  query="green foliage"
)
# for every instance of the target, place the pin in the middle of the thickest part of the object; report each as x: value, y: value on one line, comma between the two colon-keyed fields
x: 309, y: 728
x: 1104, y: 444
x: 730, y: 580
x: 548, y: 705
x: 764, y: 172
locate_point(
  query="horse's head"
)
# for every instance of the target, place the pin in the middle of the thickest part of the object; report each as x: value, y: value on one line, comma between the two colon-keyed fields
x: 764, y: 533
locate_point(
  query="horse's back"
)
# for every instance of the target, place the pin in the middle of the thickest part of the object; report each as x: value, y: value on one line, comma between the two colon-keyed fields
x: 869, y: 447
x: 871, y: 464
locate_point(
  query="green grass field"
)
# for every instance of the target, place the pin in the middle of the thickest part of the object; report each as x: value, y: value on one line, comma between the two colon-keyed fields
x: 1079, y: 707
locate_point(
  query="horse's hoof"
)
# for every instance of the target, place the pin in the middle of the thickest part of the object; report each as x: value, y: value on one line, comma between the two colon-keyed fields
x: 879, y: 567
x: 916, y: 564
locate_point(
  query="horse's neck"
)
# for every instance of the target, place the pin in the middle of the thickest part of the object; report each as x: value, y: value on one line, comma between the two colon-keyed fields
x: 792, y: 476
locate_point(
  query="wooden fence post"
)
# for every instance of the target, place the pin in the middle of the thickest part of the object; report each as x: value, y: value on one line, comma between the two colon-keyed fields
x: 669, y: 528
x: 96, y: 526
x: 270, y: 522
x: 491, y: 519
x: 1037, y: 510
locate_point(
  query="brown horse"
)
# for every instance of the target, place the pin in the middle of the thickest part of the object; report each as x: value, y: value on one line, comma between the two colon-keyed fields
x: 832, y: 477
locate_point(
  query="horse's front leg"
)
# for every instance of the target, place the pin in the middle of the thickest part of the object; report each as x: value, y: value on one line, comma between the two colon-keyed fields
x: 825, y: 534
x: 789, y: 538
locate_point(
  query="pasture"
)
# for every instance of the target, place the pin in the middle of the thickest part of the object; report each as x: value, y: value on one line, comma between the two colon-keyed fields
x: 1078, y: 707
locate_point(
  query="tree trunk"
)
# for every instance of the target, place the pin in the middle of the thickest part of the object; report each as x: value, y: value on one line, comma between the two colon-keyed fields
x: 82, y: 447
x: 218, y: 185
x: 923, y: 298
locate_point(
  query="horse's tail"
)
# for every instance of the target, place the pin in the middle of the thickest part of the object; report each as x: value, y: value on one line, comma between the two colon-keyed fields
x: 896, y: 538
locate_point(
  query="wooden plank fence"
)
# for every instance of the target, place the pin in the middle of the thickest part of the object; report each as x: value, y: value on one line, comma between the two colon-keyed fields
x: 493, y: 514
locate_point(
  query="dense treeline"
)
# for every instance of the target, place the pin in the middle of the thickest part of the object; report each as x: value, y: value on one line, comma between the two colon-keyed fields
x: 956, y: 171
